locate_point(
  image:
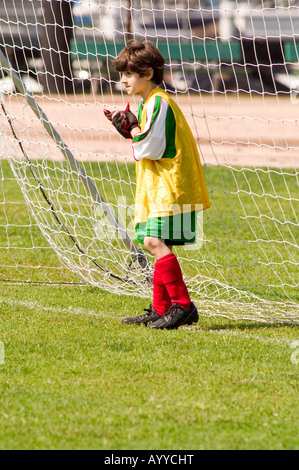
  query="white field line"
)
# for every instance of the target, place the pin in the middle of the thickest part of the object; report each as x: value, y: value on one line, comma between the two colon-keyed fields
x: 34, y: 305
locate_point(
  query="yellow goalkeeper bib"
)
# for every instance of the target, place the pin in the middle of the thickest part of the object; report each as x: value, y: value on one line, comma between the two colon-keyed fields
x: 169, y: 186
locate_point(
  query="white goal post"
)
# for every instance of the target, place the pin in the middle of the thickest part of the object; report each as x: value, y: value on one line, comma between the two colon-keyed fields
x: 233, y: 68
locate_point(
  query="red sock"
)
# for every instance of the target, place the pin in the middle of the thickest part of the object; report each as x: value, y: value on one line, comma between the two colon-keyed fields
x: 171, y: 275
x: 161, y: 299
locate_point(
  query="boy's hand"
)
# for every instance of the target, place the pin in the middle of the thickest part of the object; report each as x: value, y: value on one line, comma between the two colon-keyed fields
x: 108, y: 114
x: 123, y: 121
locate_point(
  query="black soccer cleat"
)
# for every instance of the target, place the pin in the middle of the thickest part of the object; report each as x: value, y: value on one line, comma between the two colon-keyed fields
x: 176, y: 316
x: 150, y: 316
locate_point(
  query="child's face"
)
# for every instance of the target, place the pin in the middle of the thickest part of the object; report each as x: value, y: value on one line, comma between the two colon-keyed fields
x: 135, y: 84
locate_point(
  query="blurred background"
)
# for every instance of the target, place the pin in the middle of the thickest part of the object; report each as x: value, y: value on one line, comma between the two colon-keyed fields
x: 223, y: 45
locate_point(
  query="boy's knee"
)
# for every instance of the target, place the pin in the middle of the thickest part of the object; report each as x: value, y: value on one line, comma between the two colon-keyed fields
x: 152, y: 243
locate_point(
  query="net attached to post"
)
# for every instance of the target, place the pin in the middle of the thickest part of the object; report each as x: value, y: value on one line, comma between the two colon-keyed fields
x: 232, y: 67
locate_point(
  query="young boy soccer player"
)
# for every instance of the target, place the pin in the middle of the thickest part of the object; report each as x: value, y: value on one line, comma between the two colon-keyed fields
x: 170, y: 182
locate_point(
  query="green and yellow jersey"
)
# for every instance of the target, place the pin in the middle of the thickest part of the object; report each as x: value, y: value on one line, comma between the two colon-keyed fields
x: 169, y: 174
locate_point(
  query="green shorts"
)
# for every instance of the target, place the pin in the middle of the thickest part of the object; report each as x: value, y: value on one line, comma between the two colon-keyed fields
x: 178, y: 229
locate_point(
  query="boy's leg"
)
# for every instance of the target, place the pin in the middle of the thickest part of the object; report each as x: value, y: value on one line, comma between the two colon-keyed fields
x: 172, y: 277
x: 182, y: 311
x: 161, y: 299
x: 157, y: 247
x: 170, y: 294
x: 169, y: 271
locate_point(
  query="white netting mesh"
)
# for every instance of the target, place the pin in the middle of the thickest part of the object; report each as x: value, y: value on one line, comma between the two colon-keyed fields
x: 232, y: 66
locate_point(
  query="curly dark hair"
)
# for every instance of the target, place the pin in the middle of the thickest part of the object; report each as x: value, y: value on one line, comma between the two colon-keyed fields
x: 138, y: 57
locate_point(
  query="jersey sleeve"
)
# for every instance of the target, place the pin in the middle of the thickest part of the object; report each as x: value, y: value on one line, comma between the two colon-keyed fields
x: 151, y: 142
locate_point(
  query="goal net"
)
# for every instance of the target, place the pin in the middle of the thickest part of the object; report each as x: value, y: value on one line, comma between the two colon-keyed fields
x: 68, y: 178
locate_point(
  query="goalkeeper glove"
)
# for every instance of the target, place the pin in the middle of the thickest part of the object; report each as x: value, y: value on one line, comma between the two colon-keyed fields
x: 123, y: 121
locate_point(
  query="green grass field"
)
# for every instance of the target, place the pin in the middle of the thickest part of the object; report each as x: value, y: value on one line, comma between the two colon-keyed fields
x: 74, y: 377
